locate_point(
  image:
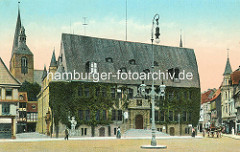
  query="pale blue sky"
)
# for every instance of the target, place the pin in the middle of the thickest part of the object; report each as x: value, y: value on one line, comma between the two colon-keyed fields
x: 209, y: 27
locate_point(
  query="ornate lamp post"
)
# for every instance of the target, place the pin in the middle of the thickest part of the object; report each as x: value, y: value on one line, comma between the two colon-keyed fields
x: 153, y: 93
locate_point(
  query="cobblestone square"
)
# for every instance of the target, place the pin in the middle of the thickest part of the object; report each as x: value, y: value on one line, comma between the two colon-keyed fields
x: 224, y: 144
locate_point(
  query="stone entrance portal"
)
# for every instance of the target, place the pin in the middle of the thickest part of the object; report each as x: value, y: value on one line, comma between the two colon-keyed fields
x: 139, y: 122
x: 172, y: 131
x: 102, y: 132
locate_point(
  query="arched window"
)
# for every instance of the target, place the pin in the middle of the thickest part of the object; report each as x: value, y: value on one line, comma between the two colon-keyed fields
x: 132, y: 61
x: 109, y: 59
x: 24, y: 65
x: 123, y: 70
x: 91, y: 67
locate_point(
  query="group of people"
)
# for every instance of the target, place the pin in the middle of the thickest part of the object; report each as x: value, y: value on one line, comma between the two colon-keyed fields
x: 213, y: 130
x: 118, y: 134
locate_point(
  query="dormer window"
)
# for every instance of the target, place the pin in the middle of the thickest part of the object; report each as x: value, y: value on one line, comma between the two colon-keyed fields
x: 146, y: 71
x: 155, y: 63
x: 123, y: 70
x: 110, y: 60
x: 91, y: 67
x: 21, y: 97
x: 24, y: 65
x: 132, y: 61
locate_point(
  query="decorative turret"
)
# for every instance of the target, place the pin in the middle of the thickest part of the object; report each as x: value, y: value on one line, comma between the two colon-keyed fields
x: 53, y: 60
x: 228, y: 69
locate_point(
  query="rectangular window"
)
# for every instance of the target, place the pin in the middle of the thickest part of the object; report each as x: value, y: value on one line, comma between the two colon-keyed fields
x: 113, y: 93
x: 104, y: 94
x: 162, y: 116
x: 22, y: 105
x: 80, y: 114
x: 156, y: 116
x: 170, y: 96
x: 5, y: 109
x: 109, y: 130
x: 98, y: 115
x: 139, y: 102
x: 82, y: 131
x: 184, y: 116
x: 170, y: 115
x: 115, y: 131
x: 113, y: 114
x: 86, y: 91
x: 189, y: 116
x: 85, y: 132
x: 104, y: 115
x: 119, y: 115
x: 29, y: 116
x: 87, y: 114
x: 175, y: 116
x: 8, y: 92
x: 130, y: 93
x: 80, y: 91
x: 119, y: 94
x: 97, y: 89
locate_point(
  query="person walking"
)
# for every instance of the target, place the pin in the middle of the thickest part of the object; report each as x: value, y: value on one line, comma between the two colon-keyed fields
x: 66, y: 134
x: 118, y: 132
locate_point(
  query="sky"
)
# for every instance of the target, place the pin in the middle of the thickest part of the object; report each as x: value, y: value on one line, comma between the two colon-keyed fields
x: 208, y: 26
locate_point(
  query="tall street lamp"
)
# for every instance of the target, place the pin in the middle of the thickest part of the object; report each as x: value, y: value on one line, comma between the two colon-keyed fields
x: 153, y: 93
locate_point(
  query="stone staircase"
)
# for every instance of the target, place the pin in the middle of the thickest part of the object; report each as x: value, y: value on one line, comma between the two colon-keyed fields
x: 31, y: 135
x: 143, y: 133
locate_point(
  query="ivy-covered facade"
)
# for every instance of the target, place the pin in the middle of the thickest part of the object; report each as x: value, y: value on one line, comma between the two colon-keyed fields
x: 102, y: 105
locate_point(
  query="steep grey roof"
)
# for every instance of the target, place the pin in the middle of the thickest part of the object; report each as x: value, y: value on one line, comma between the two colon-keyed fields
x: 228, y: 68
x: 38, y: 76
x: 6, y: 78
x: 22, y: 49
x: 77, y: 50
x: 17, y: 31
x: 53, y: 60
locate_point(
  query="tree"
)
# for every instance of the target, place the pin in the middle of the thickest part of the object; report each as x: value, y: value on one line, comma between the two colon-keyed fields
x: 32, y: 90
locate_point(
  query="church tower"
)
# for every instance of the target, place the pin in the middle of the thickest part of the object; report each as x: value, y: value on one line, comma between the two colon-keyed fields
x: 21, y: 63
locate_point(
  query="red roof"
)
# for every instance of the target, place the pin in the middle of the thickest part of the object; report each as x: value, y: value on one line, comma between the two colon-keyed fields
x: 206, y: 96
x: 235, y: 77
x: 216, y: 94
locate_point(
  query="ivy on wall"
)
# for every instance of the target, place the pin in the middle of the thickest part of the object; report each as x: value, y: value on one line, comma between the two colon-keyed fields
x: 181, y: 100
x: 67, y: 98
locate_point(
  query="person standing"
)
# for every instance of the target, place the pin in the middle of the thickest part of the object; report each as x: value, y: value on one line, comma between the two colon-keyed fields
x: 66, y: 134
x: 118, y: 132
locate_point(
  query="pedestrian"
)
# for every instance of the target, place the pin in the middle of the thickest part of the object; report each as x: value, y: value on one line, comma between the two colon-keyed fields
x: 203, y: 132
x: 118, y: 132
x: 193, y: 132
x: 66, y: 134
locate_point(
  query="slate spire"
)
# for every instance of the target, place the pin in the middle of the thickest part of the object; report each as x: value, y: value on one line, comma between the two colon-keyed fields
x: 17, y: 30
x: 44, y: 73
x: 228, y: 68
x: 53, y: 60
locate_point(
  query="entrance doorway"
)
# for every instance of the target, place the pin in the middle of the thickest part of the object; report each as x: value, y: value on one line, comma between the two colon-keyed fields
x: 102, y: 132
x: 139, y: 122
x: 172, y: 131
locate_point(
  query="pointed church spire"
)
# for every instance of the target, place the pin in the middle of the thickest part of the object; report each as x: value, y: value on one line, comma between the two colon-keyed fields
x: 181, y: 44
x: 44, y: 72
x: 228, y: 68
x: 17, y: 30
x: 53, y: 60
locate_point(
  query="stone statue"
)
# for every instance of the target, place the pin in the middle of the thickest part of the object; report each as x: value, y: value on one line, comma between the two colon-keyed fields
x: 73, y: 125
